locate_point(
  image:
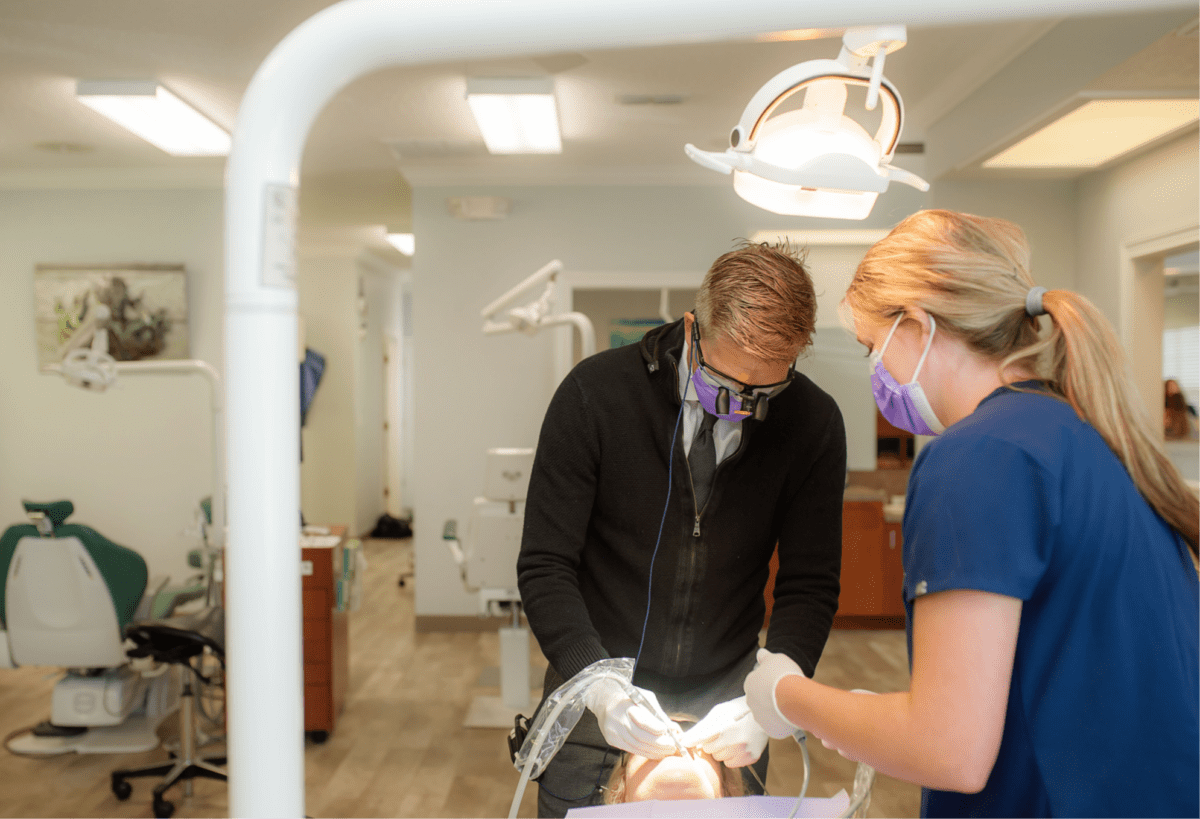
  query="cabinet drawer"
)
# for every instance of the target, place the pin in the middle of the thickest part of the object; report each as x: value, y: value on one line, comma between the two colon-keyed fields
x: 318, y: 604
x: 317, y: 648
x: 316, y: 674
x: 318, y: 708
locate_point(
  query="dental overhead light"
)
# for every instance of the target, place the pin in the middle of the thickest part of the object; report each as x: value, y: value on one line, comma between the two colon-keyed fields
x: 815, y: 160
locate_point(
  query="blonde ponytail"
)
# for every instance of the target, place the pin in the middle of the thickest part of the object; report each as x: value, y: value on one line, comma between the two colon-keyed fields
x: 972, y: 273
x: 1088, y: 365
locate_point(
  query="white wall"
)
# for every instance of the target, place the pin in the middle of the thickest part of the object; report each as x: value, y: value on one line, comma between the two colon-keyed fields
x: 474, y: 392
x: 328, y: 304
x: 1152, y: 195
x: 1181, y: 311
x: 379, y: 285
x: 137, y: 459
x: 341, y: 474
x: 836, y: 360
x: 1045, y: 210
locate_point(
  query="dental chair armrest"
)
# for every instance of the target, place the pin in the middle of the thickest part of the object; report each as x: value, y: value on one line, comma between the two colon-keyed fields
x: 145, y: 607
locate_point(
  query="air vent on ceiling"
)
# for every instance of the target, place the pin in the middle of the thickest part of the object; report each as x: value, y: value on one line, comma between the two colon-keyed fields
x: 650, y: 99
x: 910, y: 148
x: 64, y: 147
x: 406, y: 150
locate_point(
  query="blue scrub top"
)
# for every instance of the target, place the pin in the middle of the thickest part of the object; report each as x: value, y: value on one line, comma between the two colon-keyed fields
x: 1024, y: 499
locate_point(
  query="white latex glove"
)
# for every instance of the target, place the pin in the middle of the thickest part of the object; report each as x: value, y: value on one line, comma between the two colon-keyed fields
x: 627, y: 725
x: 760, y: 692
x: 730, y: 733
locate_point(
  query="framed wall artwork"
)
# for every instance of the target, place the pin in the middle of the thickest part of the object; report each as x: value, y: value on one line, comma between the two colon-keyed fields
x: 142, y: 308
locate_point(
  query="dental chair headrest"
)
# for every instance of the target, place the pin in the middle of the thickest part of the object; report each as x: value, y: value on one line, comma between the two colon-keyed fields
x: 56, y: 511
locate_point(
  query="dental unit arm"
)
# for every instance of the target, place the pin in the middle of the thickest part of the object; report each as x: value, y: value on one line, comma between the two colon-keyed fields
x: 93, y: 368
x: 536, y: 315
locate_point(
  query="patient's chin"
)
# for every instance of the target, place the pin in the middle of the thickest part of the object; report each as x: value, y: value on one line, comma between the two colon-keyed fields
x: 677, y: 778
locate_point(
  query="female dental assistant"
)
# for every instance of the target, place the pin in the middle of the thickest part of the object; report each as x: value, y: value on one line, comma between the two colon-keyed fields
x: 1048, y: 550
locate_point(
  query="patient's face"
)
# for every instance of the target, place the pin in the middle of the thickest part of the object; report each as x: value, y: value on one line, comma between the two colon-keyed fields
x: 673, y: 777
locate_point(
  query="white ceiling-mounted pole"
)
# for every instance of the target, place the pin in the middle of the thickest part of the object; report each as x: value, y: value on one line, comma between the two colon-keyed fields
x: 300, y: 76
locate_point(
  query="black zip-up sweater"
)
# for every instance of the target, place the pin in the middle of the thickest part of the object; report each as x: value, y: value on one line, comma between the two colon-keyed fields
x: 595, y: 503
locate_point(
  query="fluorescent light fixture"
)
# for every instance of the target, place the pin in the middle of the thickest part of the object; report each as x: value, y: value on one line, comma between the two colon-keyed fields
x: 815, y: 160
x: 406, y: 243
x: 1098, y: 132
x: 516, y: 115
x: 796, y: 35
x: 156, y: 115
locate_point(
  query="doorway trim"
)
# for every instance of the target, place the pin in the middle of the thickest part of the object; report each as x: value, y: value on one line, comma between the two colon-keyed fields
x: 570, y: 281
x: 1134, y: 257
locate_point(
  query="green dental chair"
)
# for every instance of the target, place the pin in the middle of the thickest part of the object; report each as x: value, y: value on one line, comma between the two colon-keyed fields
x: 72, y: 598
x: 67, y: 596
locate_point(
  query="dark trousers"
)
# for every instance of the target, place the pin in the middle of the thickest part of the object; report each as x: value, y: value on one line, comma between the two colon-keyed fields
x: 579, y: 772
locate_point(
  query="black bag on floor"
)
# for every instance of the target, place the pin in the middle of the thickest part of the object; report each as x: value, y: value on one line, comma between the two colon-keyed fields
x: 390, y: 527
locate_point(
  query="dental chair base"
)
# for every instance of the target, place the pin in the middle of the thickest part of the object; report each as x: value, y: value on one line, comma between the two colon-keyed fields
x: 118, y: 711
x: 488, y: 567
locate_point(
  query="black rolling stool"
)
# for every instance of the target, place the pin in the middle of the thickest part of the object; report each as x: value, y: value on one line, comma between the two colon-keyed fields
x: 177, y: 640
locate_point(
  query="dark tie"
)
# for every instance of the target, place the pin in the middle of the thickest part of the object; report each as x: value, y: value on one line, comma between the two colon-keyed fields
x: 702, y: 458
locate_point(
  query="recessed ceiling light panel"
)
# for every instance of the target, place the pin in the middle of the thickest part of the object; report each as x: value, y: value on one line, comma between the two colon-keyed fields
x: 156, y: 115
x: 404, y: 242
x: 1098, y: 132
x: 516, y: 115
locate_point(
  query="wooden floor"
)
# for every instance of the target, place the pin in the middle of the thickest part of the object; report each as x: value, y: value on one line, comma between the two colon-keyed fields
x: 399, y: 749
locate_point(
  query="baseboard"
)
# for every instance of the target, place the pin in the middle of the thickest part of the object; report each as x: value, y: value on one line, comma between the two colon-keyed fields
x: 430, y: 623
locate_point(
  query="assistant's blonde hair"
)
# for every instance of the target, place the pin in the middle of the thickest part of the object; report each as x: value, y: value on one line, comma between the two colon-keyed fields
x: 973, y: 275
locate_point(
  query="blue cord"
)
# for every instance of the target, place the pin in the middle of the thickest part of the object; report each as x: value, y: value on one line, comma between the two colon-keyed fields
x: 661, y: 523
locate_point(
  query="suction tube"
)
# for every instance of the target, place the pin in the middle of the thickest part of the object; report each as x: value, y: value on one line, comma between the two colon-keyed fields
x: 558, y: 716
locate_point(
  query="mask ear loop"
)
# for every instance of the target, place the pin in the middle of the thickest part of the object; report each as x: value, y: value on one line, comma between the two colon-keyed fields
x: 888, y: 340
x: 722, y: 402
x: 928, y: 346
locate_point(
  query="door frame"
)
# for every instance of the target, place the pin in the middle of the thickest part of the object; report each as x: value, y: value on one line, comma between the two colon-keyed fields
x: 1140, y: 283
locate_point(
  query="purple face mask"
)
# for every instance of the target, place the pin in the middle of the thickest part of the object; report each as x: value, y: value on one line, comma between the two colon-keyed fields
x: 706, y: 392
x: 738, y: 402
x: 904, y: 405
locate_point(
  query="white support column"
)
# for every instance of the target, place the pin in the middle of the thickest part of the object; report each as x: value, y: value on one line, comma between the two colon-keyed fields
x: 296, y: 81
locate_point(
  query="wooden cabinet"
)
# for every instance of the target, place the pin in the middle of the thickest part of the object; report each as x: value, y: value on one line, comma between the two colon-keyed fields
x: 326, y: 637
x: 872, y: 569
x: 895, y: 448
x: 893, y: 569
